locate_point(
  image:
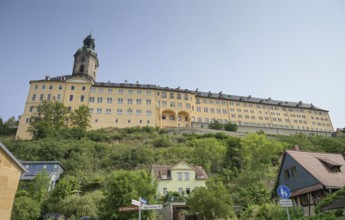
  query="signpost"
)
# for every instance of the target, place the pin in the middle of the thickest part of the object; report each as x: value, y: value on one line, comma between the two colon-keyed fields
x: 128, y: 208
x: 138, y: 205
x: 151, y: 207
x: 284, y: 193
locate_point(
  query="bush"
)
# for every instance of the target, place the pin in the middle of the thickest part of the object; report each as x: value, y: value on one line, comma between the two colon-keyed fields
x: 215, y: 125
x: 230, y: 127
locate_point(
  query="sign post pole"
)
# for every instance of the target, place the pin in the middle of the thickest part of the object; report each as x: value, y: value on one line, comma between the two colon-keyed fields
x: 284, y: 194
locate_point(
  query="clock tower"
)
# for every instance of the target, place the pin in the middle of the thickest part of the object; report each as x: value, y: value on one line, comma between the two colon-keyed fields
x: 85, y: 60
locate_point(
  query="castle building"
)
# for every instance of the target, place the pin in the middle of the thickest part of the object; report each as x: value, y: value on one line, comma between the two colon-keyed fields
x: 133, y: 104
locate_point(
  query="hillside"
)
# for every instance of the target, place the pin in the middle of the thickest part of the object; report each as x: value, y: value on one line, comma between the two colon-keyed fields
x: 247, y: 165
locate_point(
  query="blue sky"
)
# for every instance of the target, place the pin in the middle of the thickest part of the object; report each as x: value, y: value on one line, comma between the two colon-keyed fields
x: 287, y: 50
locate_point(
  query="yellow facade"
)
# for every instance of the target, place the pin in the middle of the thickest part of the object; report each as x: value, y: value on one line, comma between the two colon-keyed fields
x: 10, y: 171
x: 133, y: 104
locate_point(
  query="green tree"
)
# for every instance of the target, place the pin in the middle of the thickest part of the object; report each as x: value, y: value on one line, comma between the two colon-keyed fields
x: 209, y: 153
x: 9, y: 127
x: 215, y: 124
x: 25, y: 207
x: 80, y: 117
x: 123, y: 186
x: 39, y: 187
x: 212, y: 201
x: 49, y: 120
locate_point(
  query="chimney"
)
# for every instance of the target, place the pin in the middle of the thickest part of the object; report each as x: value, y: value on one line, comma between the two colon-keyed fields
x: 296, y: 147
x: 47, y: 77
x: 126, y: 81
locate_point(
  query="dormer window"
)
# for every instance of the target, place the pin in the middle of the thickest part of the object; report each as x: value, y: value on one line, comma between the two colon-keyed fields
x: 330, y: 165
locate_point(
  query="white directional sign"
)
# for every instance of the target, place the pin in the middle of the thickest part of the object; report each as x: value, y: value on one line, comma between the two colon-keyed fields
x: 286, y: 203
x: 150, y: 207
x: 135, y: 202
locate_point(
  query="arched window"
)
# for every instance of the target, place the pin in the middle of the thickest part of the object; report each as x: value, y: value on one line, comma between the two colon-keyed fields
x: 81, y: 69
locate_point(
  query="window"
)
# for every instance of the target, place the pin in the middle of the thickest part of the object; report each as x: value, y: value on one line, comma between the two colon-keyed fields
x: 110, y: 90
x: 212, y: 110
x: 93, y: 90
x: 99, y: 100
x: 120, y: 91
x: 187, y: 106
x: 100, y: 90
x: 148, y: 92
x: 148, y: 101
x: 165, y: 191
x: 179, y: 176
x: 129, y: 111
x: 91, y: 110
x: 49, y: 96
x: 129, y: 101
x: 205, y: 109
x: 43, y: 87
x: 92, y: 99
x: 83, y: 88
x: 287, y: 174
x: 130, y: 91
x: 138, y: 101
x: 164, y: 94
x: 171, y: 118
x: 179, y: 105
x: 180, y: 191
x: 36, y: 87
x: 185, y: 96
x: 109, y: 100
x: 172, y: 104
x: 31, y: 109
x: 41, y: 97
x: 139, y: 91
x: 72, y: 87
x: 108, y: 111
x: 50, y: 87
x: 198, y: 109
x: 58, y: 97
x: 119, y: 111
x: 99, y: 111
x: 294, y: 172
x: 178, y: 95
x: 119, y: 100
x: 164, y: 103
x: 82, y: 98
x: 148, y: 112
x: 138, y: 112
x: 60, y: 87
x: 171, y: 95
x: 187, y: 191
x: 186, y: 176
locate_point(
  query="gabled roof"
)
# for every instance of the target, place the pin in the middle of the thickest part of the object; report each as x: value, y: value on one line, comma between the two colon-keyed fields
x: 163, y: 172
x: 9, y: 154
x: 320, y: 166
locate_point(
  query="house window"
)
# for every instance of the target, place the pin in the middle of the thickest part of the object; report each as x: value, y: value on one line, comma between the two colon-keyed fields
x: 171, y: 118
x: 31, y: 108
x: 148, y: 101
x: 41, y: 97
x: 129, y: 101
x: 119, y: 111
x: 138, y: 101
x: 138, y: 112
x: 50, y: 87
x: 109, y: 100
x: 129, y: 112
x: 82, y: 98
x: 180, y: 191
x: 179, y: 176
x: 92, y: 99
x: 100, y: 90
x: 187, y: 191
x: 171, y: 95
x: 36, y: 87
x: 130, y: 91
x: 294, y: 172
x: 119, y: 100
x: 186, y: 176
x: 43, y: 87
x: 99, y: 100
x: 83, y: 88
x: 60, y: 87
x: 58, y: 97
x: 72, y: 87
x: 110, y: 90
x: 148, y: 112
x: 165, y: 191
x: 108, y: 111
x: 49, y: 97
x: 287, y: 174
